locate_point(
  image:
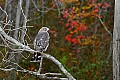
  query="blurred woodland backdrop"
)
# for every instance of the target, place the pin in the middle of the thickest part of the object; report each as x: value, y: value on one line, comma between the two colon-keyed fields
x: 80, y: 36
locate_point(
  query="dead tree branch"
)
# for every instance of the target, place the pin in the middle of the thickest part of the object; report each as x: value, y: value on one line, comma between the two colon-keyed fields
x: 27, y: 48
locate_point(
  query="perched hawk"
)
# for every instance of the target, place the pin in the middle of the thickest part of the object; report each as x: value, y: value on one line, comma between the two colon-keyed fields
x: 41, y: 43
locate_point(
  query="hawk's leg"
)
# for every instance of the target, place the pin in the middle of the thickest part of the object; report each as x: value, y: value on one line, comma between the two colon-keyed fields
x: 36, y: 57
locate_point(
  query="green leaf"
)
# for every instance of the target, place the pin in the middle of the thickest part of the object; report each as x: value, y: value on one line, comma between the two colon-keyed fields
x: 63, y: 60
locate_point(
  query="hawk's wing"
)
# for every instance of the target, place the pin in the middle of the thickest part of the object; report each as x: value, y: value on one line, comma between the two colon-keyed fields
x: 41, y: 41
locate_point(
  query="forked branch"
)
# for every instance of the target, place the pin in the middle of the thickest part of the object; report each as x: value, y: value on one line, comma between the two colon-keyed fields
x: 27, y: 48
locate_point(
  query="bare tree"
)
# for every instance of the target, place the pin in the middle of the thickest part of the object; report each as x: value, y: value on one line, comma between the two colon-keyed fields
x: 116, y: 42
x: 13, y: 30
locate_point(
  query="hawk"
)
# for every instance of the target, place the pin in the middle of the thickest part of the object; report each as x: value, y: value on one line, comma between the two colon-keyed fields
x: 41, y: 43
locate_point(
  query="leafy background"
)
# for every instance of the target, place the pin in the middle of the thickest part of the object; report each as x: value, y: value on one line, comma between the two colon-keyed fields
x: 77, y: 39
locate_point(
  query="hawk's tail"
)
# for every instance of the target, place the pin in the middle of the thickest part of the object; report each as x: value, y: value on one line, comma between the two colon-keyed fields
x: 36, y: 57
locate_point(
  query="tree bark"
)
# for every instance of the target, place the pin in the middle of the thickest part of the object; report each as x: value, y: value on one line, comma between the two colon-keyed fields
x: 116, y: 42
x: 16, y: 57
x: 43, y: 5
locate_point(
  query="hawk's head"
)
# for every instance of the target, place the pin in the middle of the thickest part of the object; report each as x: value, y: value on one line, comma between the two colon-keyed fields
x: 44, y: 29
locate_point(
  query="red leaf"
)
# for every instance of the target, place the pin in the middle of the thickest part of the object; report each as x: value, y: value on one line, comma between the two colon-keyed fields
x: 99, y: 4
x: 74, y: 23
x: 106, y: 5
x: 82, y: 27
x: 67, y: 24
x: 68, y: 38
x: 69, y: 29
x: 81, y: 37
x: 96, y: 10
x: 74, y: 40
x: 65, y: 14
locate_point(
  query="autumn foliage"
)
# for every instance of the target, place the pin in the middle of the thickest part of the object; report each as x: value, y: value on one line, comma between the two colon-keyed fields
x: 76, y: 19
x: 86, y: 36
x: 78, y: 37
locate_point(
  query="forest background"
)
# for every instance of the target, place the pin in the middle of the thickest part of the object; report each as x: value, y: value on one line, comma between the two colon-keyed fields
x: 80, y: 37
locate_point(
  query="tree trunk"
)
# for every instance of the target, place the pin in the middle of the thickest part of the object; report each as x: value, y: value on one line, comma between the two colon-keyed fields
x: 43, y: 6
x: 116, y: 42
x: 16, y: 57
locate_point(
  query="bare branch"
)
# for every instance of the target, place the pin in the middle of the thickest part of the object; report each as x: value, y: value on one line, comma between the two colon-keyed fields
x: 27, y: 48
x: 105, y: 27
x: 44, y: 76
x: 25, y: 21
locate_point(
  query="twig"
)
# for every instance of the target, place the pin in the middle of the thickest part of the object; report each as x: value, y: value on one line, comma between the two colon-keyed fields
x: 40, y: 67
x: 36, y: 73
x: 27, y: 48
x: 105, y: 27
